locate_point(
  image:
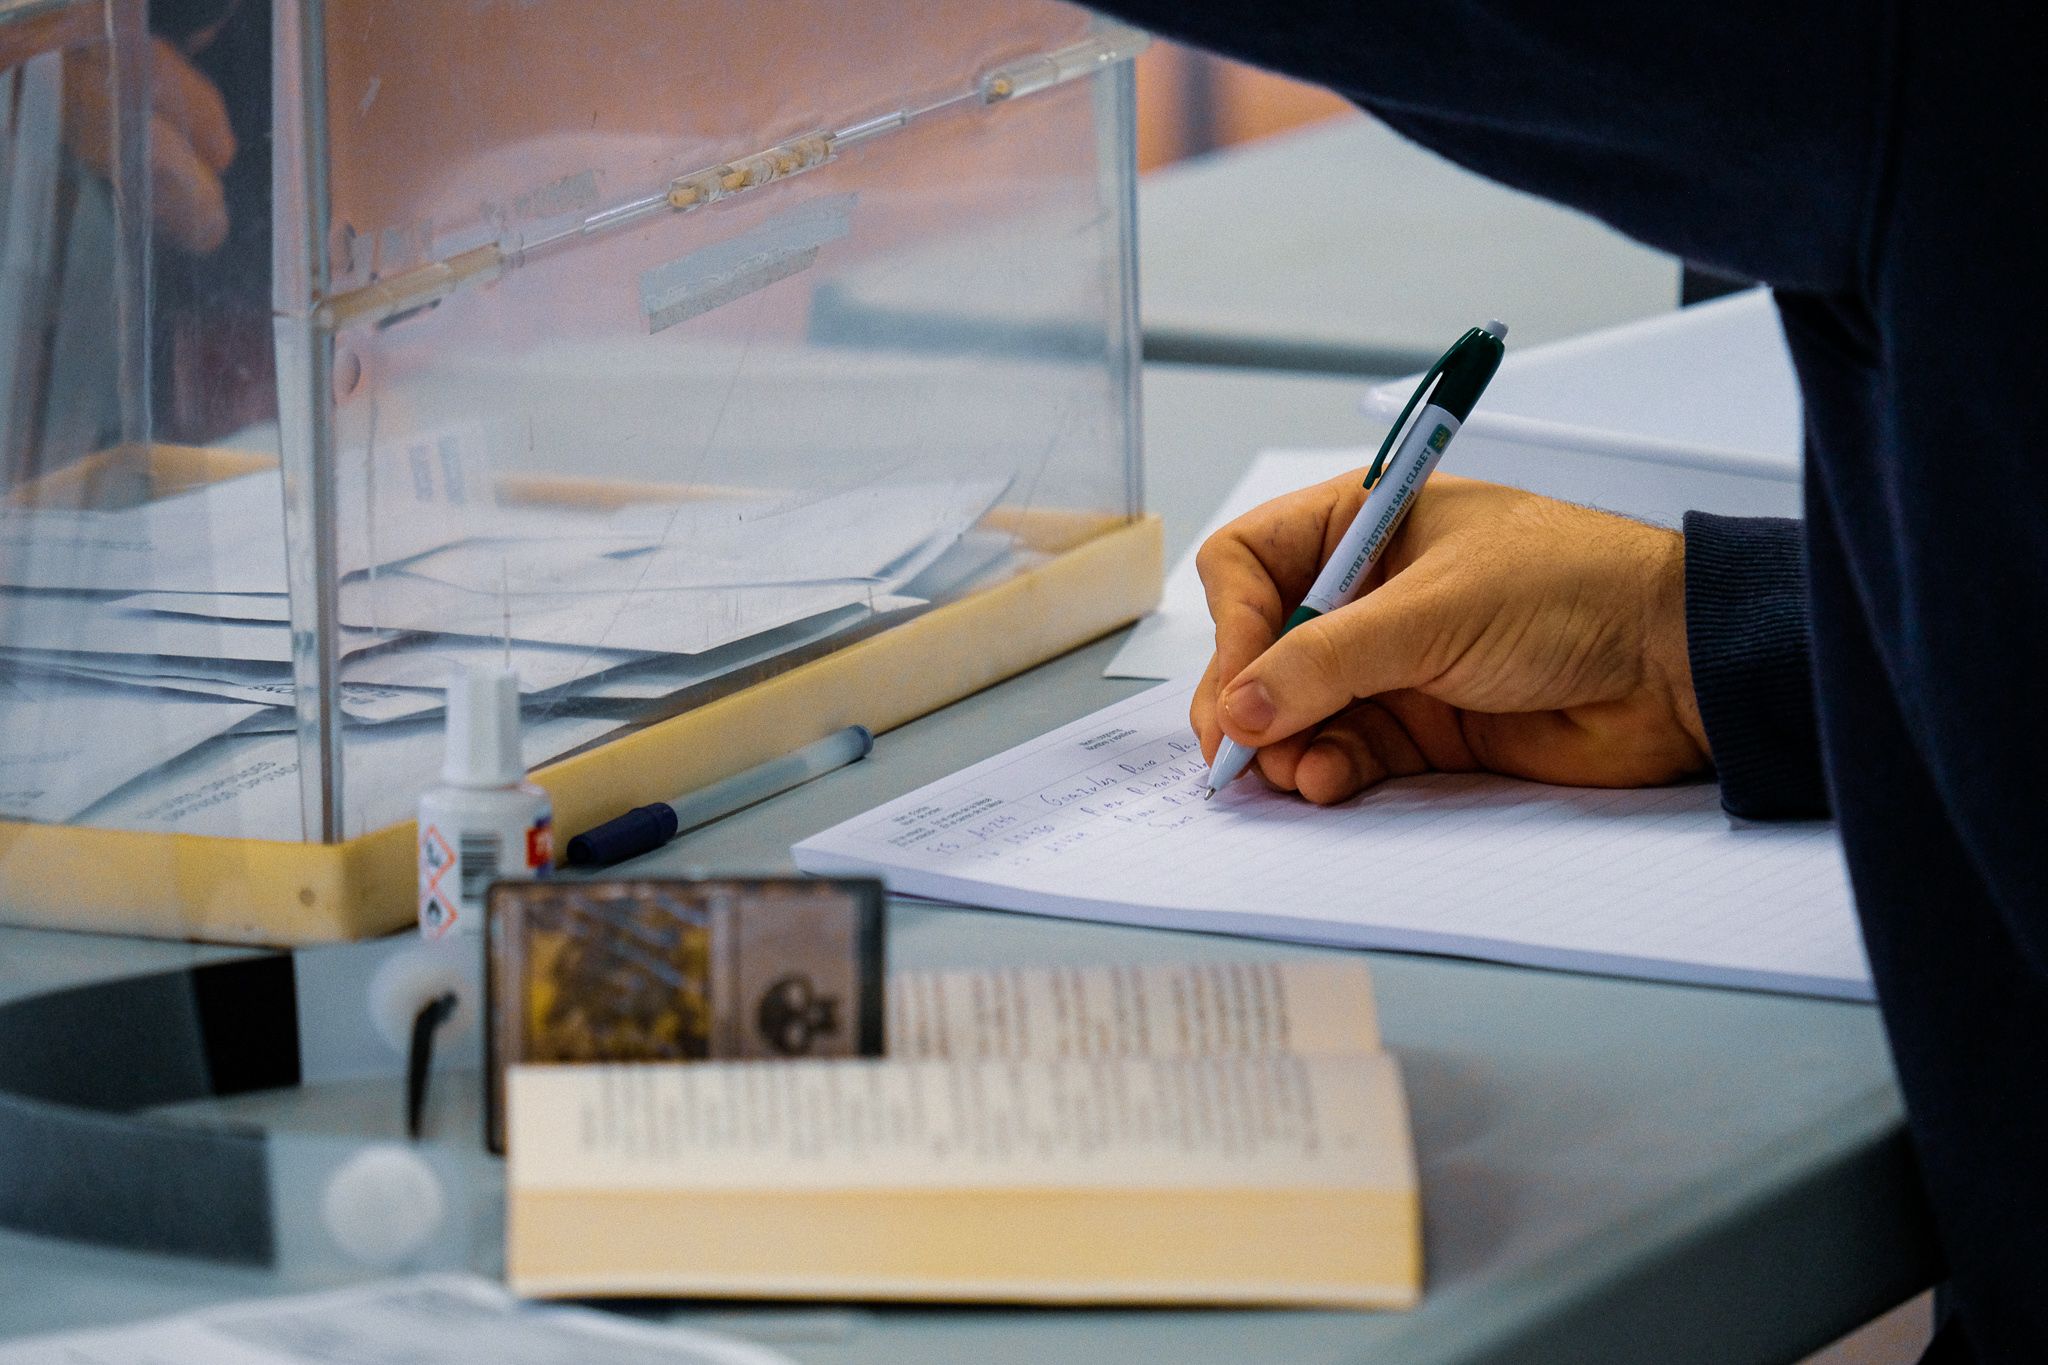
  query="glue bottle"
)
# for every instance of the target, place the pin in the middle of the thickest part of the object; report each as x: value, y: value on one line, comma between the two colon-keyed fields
x: 485, y: 821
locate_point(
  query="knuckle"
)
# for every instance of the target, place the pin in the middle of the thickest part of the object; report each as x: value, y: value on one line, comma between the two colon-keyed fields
x: 1214, y: 559
x: 1323, y: 658
x: 1342, y: 765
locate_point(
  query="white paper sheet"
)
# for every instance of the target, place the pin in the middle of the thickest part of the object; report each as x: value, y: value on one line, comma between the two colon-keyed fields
x: 591, y: 675
x: 866, y: 534
x: 676, y: 579
x: 48, y: 622
x: 419, y: 662
x: 1104, y: 819
x: 662, y: 676
x: 408, y: 679
x: 245, y: 786
x: 685, y: 621
x: 224, y: 537
x: 629, y: 619
x: 1178, y: 637
x: 428, y: 1320
x: 969, y: 560
x: 977, y: 560
x: 360, y: 701
x: 680, y: 621
x: 420, y: 494
x: 228, y: 536
x: 139, y: 668
x: 65, y: 744
x: 268, y: 607
x: 429, y: 661
x: 417, y: 492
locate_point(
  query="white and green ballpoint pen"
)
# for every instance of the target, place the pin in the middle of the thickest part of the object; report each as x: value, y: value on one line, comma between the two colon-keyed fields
x: 1452, y: 386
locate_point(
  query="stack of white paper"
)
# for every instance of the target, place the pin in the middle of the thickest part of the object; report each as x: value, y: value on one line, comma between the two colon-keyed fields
x: 145, y: 652
x: 66, y: 744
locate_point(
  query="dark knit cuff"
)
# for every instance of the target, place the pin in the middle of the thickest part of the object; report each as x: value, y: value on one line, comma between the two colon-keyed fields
x: 1752, y: 670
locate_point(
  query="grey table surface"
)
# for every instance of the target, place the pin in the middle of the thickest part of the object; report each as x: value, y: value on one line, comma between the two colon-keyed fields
x: 1611, y: 1170
x: 1344, y: 247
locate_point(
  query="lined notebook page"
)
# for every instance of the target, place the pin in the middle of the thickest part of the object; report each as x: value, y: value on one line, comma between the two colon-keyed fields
x: 1104, y: 819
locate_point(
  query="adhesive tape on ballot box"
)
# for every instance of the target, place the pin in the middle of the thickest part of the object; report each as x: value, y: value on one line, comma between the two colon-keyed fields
x: 81, y: 1158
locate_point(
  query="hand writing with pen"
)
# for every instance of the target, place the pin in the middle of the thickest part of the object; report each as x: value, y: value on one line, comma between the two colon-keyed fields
x: 1501, y: 631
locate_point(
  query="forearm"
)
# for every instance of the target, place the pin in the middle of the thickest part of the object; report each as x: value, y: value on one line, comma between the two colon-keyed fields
x: 1747, y: 639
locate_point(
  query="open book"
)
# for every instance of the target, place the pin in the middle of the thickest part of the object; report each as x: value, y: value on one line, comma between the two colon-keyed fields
x: 1224, y: 1133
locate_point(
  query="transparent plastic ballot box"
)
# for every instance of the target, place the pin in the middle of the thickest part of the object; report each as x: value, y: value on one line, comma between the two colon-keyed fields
x: 348, y: 343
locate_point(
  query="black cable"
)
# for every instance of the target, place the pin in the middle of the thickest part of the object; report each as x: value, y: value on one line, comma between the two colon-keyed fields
x: 420, y: 1056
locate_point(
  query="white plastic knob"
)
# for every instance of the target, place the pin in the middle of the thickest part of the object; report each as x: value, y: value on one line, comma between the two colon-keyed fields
x: 383, y: 1205
x: 410, y: 979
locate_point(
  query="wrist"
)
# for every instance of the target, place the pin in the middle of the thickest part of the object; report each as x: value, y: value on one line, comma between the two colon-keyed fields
x: 1749, y: 650
x: 1667, y: 660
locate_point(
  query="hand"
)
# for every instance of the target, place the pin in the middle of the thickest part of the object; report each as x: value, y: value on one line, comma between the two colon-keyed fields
x: 1500, y: 631
x: 190, y: 142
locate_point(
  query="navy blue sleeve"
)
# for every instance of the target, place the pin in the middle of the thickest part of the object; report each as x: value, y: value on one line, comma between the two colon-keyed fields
x: 1863, y: 160
x: 1752, y: 663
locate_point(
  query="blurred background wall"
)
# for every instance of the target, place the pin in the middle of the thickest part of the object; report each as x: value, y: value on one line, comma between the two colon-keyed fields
x: 1190, y: 102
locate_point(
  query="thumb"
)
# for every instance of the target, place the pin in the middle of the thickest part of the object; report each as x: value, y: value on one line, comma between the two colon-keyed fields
x: 1389, y: 639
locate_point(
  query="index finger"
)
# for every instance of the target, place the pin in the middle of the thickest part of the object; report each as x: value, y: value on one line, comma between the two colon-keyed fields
x: 1256, y: 566
x: 1246, y: 607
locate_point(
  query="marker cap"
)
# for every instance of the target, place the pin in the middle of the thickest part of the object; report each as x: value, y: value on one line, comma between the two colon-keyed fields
x: 1468, y: 367
x: 640, y: 830
x: 483, y: 730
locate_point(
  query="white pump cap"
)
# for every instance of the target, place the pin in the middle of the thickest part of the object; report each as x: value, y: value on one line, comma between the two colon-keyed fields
x: 483, y: 730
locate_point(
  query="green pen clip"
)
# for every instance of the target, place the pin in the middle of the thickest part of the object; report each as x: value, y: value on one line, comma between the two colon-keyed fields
x: 1429, y: 378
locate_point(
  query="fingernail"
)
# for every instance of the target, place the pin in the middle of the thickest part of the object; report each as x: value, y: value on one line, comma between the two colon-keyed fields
x: 1251, y: 706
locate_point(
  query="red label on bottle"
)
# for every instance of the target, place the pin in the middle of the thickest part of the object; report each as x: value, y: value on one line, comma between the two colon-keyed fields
x: 540, y: 846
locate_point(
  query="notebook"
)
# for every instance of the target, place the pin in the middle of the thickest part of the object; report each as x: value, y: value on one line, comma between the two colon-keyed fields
x: 1104, y: 819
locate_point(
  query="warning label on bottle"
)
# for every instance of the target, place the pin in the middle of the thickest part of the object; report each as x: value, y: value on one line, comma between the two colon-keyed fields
x: 440, y: 876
